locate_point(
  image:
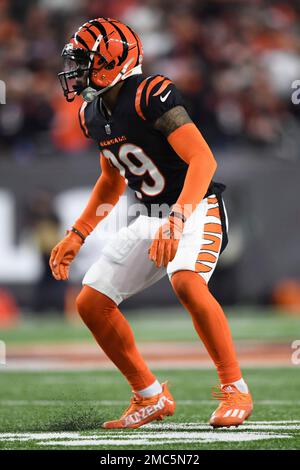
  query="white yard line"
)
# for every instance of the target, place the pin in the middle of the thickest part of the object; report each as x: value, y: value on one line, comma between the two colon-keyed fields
x: 151, y: 429
x: 139, y: 438
x: 173, y: 438
x: 159, y: 434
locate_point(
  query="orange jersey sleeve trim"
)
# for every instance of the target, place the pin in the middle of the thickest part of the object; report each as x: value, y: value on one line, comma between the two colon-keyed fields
x: 106, y: 193
x: 82, y: 120
x: 190, y: 145
x: 138, y: 98
x: 151, y: 82
x: 154, y: 82
x: 162, y: 87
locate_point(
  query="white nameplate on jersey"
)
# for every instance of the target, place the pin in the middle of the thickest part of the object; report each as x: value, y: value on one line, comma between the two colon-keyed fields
x: 164, y: 98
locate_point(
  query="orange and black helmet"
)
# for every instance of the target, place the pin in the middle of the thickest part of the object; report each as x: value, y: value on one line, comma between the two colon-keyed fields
x: 101, y: 53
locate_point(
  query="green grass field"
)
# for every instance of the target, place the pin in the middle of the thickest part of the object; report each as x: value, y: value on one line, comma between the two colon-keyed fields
x: 65, y: 409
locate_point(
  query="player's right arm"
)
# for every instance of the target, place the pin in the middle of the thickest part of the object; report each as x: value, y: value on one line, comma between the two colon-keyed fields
x: 105, y: 195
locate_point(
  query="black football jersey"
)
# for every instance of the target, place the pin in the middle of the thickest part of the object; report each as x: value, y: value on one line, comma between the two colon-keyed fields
x: 128, y: 139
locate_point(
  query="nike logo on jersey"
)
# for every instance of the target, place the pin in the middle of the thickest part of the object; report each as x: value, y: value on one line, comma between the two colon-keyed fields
x: 164, y: 98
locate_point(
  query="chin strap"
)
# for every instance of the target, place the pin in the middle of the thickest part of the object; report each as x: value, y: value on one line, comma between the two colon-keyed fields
x: 89, y: 93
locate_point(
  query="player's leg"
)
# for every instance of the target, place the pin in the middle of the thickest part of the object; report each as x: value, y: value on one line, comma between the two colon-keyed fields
x: 115, y: 336
x: 190, y: 272
x: 122, y: 270
x: 210, y: 323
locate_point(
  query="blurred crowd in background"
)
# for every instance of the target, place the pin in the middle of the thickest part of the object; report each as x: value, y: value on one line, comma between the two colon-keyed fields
x: 234, y: 61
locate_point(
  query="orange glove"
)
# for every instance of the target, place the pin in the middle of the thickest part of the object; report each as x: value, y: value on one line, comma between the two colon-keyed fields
x: 63, y: 254
x: 164, y: 246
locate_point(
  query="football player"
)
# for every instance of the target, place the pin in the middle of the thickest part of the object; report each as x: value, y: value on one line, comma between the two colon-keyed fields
x: 148, y: 142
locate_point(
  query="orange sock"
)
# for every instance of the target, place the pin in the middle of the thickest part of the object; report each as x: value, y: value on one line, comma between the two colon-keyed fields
x: 114, y: 335
x: 210, y: 323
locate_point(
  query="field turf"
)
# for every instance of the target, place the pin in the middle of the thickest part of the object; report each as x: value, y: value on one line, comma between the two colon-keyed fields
x: 64, y: 410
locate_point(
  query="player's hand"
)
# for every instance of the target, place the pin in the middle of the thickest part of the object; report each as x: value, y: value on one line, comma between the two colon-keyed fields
x: 164, y: 246
x: 63, y: 254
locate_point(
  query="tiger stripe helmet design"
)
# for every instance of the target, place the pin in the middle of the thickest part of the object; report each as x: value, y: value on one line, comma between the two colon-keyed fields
x: 101, y: 53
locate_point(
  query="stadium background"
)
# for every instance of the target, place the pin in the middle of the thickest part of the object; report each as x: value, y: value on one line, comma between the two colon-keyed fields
x: 235, y: 63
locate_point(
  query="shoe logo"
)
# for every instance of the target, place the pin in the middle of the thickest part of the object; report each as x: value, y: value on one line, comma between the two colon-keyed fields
x: 234, y: 413
x: 164, y: 98
x: 146, y: 411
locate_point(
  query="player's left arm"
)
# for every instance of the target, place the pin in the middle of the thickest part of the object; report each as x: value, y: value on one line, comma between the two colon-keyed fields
x: 189, y: 144
x: 160, y: 103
